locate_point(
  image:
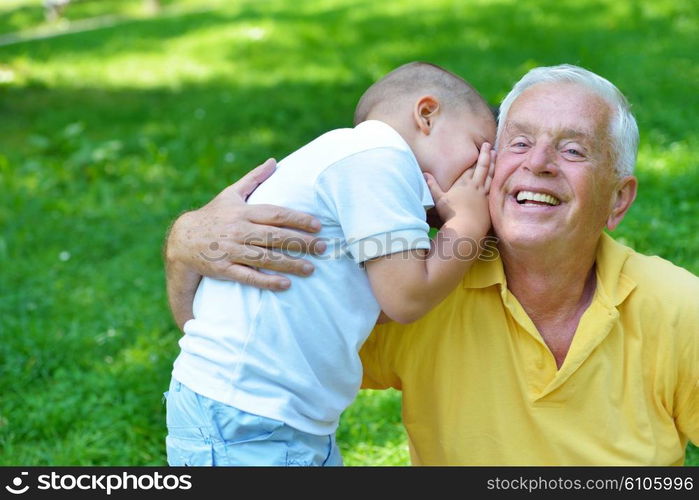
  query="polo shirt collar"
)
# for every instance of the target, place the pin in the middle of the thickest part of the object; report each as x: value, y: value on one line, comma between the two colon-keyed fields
x: 613, y: 286
x: 485, y: 273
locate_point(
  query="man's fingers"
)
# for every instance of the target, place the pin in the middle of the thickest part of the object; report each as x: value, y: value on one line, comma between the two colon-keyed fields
x: 249, y: 182
x: 272, y: 215
x: 283, y: 239
x: 273, y: 260
x: 480, y: 173
x: 253, y: 277
x: 220, y: 255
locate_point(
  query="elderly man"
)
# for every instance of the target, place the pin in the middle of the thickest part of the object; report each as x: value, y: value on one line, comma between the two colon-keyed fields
x: 568, y: 348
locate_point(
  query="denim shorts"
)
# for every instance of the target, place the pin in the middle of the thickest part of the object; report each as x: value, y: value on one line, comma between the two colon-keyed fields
x: 204, y: 432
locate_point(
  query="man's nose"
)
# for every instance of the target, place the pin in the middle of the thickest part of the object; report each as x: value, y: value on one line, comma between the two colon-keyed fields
x: 541, y: 160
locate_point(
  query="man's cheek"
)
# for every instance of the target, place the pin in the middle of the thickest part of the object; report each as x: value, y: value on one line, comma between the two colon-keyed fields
x: 493, y: 202
x: 497, y: 184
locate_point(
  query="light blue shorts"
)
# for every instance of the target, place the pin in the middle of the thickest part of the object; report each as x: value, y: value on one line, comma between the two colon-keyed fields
x: 203, y: 432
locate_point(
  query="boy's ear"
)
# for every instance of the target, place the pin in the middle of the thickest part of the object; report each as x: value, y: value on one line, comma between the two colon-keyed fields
x: 426, y: 108
x: 624, y: 196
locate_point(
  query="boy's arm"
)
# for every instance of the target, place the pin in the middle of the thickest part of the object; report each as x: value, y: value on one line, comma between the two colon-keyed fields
x: 408, y: 284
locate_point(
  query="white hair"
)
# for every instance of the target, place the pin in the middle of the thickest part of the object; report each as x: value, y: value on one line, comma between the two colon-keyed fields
x: 623, y: 130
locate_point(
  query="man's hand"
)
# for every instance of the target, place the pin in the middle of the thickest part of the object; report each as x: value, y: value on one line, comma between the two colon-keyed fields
x: 226, y: 239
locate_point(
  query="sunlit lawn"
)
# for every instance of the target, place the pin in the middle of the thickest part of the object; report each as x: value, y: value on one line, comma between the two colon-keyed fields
x: 106, y: 135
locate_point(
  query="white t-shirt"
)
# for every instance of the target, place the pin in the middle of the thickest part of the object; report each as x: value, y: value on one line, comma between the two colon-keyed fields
x: 293, y: 355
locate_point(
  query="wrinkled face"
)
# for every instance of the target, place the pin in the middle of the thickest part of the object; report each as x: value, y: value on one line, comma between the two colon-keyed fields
x: 553, y: 180
x: 454, y: 144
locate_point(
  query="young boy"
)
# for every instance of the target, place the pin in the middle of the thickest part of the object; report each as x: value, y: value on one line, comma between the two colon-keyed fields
x: 262, y: 376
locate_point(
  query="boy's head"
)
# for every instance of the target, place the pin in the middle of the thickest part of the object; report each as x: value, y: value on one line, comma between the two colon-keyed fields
x: 440, y: 115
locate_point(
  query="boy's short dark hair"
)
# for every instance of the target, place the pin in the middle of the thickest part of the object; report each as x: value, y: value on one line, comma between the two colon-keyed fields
x: 408, y: 80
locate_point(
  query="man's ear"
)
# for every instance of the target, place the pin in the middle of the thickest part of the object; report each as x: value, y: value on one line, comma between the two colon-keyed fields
x: 624, y: 195
x: 424, y: 113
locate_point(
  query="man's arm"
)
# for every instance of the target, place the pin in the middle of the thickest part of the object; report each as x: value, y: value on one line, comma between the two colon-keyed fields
x: 227, y: 239
x: 409, y: 284
x: 687, y: 366
x: 181, y: 286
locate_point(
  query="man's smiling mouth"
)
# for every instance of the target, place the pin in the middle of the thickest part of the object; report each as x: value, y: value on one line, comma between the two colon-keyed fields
x: 533, y: 198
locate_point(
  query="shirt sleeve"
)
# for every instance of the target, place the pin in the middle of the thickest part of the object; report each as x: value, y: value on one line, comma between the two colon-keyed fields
x: 688, y: 418
x: 687, y: 394
x: 379, y: 199
x: 377, y: 360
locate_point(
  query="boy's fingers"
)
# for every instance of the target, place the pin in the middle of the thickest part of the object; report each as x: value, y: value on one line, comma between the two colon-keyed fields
x: 491, y: 172
x: 482, y: 168
x: 435, y: 189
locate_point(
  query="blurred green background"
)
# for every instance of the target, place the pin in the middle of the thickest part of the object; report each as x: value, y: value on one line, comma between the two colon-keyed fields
x: 114, y: 120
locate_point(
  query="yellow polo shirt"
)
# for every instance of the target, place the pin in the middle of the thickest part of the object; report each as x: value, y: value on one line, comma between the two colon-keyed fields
x: 481, y: 387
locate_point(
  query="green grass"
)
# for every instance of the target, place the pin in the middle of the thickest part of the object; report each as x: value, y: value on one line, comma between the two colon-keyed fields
x: 107, y: 135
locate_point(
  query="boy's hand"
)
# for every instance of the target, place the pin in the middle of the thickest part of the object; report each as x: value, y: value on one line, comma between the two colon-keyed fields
x: 465, y: 205
x: 408, y: 285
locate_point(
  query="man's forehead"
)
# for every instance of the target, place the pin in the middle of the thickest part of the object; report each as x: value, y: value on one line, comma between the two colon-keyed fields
x: 560, y: 108
x: 515, y: 126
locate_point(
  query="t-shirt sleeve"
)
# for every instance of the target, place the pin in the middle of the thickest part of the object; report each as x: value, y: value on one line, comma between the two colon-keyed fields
x: 379, y: 199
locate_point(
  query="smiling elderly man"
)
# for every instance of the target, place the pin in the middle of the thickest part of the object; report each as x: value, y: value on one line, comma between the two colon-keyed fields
x: 569, y: 348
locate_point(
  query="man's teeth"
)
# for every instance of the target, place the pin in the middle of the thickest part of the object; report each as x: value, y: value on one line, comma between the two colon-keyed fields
x: 524, y: 196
